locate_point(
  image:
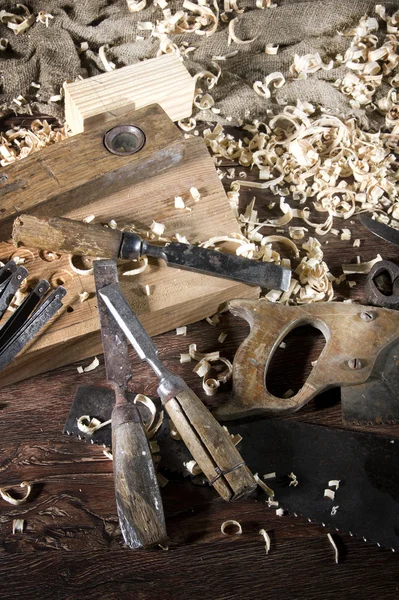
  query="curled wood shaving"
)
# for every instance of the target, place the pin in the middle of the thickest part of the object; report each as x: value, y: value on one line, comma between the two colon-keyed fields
x: 263, y: 485
x: 83, y: 296
x: 294, y: 481
x: 334, y: 510
x: 195, y: 194
x: 108, y: 65
x: 144, y: 263
x: 280, y: 512
x: 222, y: 337
x: 157, y: 228
x: 277, y: 80
x: 210, y: 386
x: 350, y: 269
x: 310, y: 63
x: 93, y: 365
x: 195, y: 355
x: 44, y: 18
x: 185, y: 358
x: 181, y: 330
x: 18, y: 526
x: 8, y: 497
x: 334, y: 545
x: 233, y: 37
x: 271, y: 49
x: 18, y: 23
x: 90, y: 425
x: 269, y: 476
x: 202, y: 368
x: 231, y: 523
x: 152, y: 426
x: 107, y: 452
x: 20, y: 142
x: 266, y: 537
x: 3, y: 44
x: 89, y: 218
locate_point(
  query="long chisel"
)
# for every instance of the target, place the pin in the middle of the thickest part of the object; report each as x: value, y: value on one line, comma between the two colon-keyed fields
x: 66, y: 235
x: 209, y: 444
x: 137, y: 493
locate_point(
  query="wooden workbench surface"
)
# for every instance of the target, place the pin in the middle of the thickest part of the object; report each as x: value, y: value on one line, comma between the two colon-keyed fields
x: 72, y: 548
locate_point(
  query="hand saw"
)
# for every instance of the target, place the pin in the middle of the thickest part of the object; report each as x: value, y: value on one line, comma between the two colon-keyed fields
x: 66, y: 235
x: 366, y: 504
x: 362, y: 345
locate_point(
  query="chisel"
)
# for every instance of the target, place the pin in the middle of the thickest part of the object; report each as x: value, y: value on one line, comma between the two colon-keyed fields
x: 75, y: 237
x: 138, y: 498
x: 208, y: 443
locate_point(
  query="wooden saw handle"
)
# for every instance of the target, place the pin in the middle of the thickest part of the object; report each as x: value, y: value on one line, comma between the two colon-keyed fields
x: 66, y: 235
x: 138, y: 498
x: 210, y: 446
x: 354, y: 334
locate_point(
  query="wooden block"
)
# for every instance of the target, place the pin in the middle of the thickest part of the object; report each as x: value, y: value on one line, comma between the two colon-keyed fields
x: 163, y: 80
x: 177, y: 297
x: 80, y: 171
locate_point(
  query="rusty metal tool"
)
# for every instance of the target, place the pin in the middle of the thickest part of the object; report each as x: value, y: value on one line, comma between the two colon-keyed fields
x: 206, y: 440
x: 382, y: 284
x: 362, y: 345
x: 11, y: 278
x: 138, y: 498
x: 66, y: 235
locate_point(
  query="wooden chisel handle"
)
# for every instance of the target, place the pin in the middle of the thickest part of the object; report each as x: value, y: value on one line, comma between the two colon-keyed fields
x: 138, y: 499
x: 211, y: 446
x: 66, y: 235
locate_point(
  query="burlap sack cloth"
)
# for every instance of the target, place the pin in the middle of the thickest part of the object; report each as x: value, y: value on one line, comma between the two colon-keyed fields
x: 50, y: 56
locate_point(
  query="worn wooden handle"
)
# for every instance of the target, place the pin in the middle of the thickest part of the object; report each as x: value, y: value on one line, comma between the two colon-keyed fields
x: 66, y: 235
x: 138, y: 498
x: 210, y: 446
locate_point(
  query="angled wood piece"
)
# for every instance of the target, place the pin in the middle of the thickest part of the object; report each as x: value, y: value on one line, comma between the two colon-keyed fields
x: 164, y: 80
x: 143, y: 192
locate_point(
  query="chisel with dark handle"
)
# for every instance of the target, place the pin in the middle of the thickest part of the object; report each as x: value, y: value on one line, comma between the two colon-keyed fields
x: 209, y: 444
x: 138, y: 498
x: 75, y: 237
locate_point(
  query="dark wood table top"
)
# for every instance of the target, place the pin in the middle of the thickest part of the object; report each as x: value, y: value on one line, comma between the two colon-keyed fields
x: 71, y: 546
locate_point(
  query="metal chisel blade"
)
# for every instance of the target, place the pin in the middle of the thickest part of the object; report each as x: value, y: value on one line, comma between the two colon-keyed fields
x: 116, y: 355
x: 221, y: 264
x: 383, y: 231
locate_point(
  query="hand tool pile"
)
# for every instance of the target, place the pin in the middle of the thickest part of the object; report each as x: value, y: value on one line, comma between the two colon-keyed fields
x: 363, y: 365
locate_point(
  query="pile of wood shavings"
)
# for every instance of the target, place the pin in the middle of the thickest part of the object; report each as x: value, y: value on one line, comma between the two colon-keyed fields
x: 19, y: 142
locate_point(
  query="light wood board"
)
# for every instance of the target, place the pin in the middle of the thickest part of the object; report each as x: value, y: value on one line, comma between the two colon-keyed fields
x: 164, y: 80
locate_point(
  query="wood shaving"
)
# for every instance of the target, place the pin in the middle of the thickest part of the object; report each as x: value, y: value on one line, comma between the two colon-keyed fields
x: 294, y: 481
x: 89, y: 425
x: 89, y: 219
x: 107, y: 452
x: 329, y: 494
x: 157, y: 228
x: 271, y: 49
x: 266, y: 537
x: 18, y: 526
x: 214, y: 320
x: 269, y: 476
x: 108, y: 65
x: 44, y: 18
x: 193, y: 467
x: 185, y: 358
x: 356, y: 243
x: 18, y: 23
x: 309, y: 63
x: 280, y: 512
x: 334, y: 510
x: 202, y: 368
x: 195, y: 355
x: 93, y: 365
x: 83, y: 296
x: 179, y: 202
x: 210, y: 386
x: 195, y: 194
x: 222, y: 337
x: 181, y: 330
x: 135, y: 6
x: 233, y: 37
x: 231, y: 523
x: 144, y: 264
x: 334, y: 545
x: 277, y: 80
x: 19, y: 142
x: 8, y: 497
x: 334, y: 483
x: 3, y: 44
x: 350, y: 269
x: 263, y: 485
x: 152, y: 426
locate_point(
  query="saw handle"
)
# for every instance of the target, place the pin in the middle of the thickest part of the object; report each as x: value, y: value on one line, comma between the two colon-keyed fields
x: 66, y: 235
x: 210, y: 445
x: 138, y: 498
